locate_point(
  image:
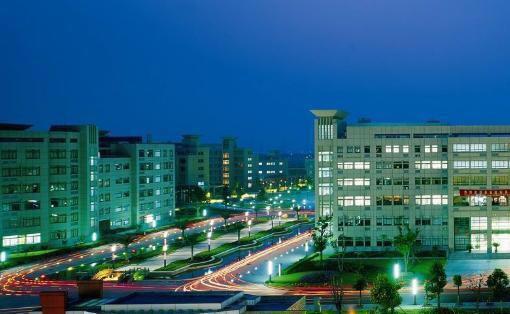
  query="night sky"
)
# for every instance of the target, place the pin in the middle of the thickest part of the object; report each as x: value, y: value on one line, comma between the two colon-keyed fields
x: 252, y: 69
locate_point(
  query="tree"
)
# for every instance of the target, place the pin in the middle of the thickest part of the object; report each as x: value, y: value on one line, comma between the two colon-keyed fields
x: 225, y: 215
x: 197, y: 194
x: 337, y: 292
x: 404, y: 242
x: 261, y: 195
x: 321, y: 235
x: 238, y: 226
x: 437, y: 281
x: 360, y: 285
x: 225, y: 195
x: 339, y: 246
x: 181, y: 225
x: 498, y: 282
x: 191, y: 241
x: 384, y: 292
x: 495, y: 245
x: 457, y: 281
x: 297, y: 209
x: 125, y: 241
x: 475, y: 285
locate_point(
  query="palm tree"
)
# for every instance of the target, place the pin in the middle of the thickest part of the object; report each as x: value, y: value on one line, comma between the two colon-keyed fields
x: 125, y: 241
x: 239, y: 225
x: 191, y: 241
x: 225, y: 215
x: 181, y: 225
x: 457, y: 281
x: 360, y: 285
x: 297, y: 209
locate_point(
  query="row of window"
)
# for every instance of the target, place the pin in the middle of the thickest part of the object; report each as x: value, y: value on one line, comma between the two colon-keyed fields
x: 25, y: 222
x: 435, y: 199
x: 457, y: 148
x: 21, y: 172
x: 21, y: 188
x: 14, y: 240
x: 154, y: 153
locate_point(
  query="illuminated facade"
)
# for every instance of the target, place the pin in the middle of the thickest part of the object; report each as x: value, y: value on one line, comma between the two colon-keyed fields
x: 232, y: 166
x: 73, y: 183
x: 450, y: 182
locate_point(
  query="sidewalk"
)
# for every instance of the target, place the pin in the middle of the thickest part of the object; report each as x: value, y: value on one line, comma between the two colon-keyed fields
x: 185, y: 252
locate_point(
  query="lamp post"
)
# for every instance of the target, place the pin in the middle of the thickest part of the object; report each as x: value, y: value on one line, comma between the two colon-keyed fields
x: 269, y: 269
x: 165, y: 248
x: 306, y: 248
x: 414, y: 288
x: 396, y: 271
x: 246, y: 214
x: 3, y: 257
x: 279, y: 218
x: 249, y: 228
x: 209, y: 234
x: 113, y: 249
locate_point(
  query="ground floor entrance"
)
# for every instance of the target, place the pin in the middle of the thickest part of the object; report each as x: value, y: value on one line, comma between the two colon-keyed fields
x: 475, y: 234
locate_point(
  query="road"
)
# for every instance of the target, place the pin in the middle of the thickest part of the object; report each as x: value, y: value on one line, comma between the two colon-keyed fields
x: 29, y: 279
x: 185, y: 252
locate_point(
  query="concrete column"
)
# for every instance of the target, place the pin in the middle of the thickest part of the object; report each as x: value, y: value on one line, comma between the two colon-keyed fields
x: 489, y: 224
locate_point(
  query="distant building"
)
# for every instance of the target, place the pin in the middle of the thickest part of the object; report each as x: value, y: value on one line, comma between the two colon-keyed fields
x: 238, y: 169
x: 192, y: 167
x: 310, y: 167
x: 272, y: 166
x: 73, y: 183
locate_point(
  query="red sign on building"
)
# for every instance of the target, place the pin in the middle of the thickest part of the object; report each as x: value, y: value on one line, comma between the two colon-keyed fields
x: 485, y: 192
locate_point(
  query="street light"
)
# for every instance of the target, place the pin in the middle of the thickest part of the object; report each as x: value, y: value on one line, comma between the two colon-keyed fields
x: 306, y: 248
x: 113, y: 249
x: 414, y: 288
x: 270, y: 269
x: 249, y: 228
x: 279, y: 217
x: 246, y: 214
x: 3, y: 256
x: 209, y: 234
x: 396, y: 271
x: 165, y: 248
x: 204, y: 212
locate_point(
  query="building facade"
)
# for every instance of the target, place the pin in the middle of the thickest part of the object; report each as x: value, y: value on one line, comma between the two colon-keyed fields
x: 449, y: 182
x: 192, y: 167
x: 71, y: 184
x: 231, y: 166
x: 272, y: 166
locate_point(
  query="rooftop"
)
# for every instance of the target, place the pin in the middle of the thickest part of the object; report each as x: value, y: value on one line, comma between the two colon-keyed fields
x: 173, y: 297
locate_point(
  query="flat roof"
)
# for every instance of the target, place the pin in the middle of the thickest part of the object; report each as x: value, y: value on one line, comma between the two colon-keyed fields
x: 274, y: 303
x: 14, y: 127
x: 173, y: 297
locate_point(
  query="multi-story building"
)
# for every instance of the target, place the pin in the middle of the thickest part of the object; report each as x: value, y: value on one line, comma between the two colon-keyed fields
x: 452, y: 183
x: 192, y: 167
x: 59, y: 190
x: 272, y: 166
x: 238, y: 166
x: 231, y: 166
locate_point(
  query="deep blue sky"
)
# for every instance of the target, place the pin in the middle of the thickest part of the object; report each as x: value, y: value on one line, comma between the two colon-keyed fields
x: 252, y: 68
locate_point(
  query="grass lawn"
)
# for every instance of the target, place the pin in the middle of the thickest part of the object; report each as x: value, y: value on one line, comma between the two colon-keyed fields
x: 31, y: 253
x: 309, y: 271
